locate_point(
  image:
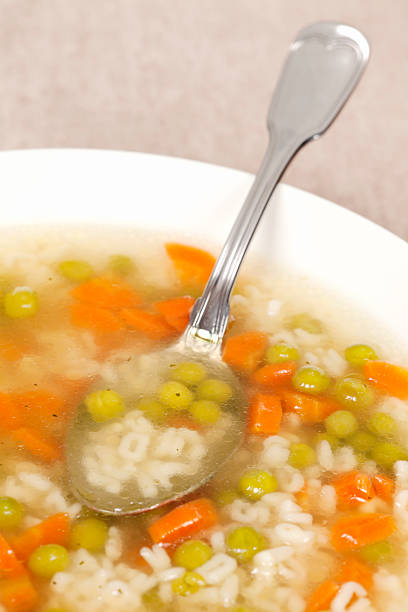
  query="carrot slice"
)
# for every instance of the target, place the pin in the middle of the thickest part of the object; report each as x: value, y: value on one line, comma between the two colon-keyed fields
x: 354, y: 570
x: 10, y: 351
x: 152, y: 325
x: 192, y: 265
x: 265, y: 414
x: 33, y: 442
x: 244, y: 352
x: 54, y: 530
x: 18, y: 594
x: 184, y: 521
x: 310, y: 409
x: 353, y: 488
x: 274, y: 374
x: 384, y: 487
x: 176, y: 312
x: 357, y: 530
x: 94, y: 318
x: 40, y: 407
x: 10, y: 413
x: 322, y: 597
x: 106, y: 293
x: 10, y: 566
x: 387, y: 378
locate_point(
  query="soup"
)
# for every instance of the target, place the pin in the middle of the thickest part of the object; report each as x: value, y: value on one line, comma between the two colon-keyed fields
x: 309, y: 514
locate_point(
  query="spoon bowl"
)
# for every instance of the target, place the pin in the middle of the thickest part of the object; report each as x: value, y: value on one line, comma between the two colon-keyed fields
x: 322, y: 68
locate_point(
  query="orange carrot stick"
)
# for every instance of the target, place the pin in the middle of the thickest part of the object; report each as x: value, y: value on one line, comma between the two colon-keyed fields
x: 18, y: 594
x: 354, y: 570
x: 150, y: 324
x: 94, y: 318
x: 352, y: 489
x: 33, y: 442
x: 322, y: 597
x: 192, y: 265
x: 184, y: 521
x: 274, y: 374
x: 106, y: 293
x: 387, y: 378
x: 244, y: 352
x: 54, y: 530
x: 310, y: 409
x: 11, y: 416
x: 265, y: 414
x: 357, y: 530
x: 176, y: 311
x: 384, y: 487
x: 10, y: 566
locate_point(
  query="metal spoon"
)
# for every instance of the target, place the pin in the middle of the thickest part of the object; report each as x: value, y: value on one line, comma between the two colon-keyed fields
x: 323, y: 66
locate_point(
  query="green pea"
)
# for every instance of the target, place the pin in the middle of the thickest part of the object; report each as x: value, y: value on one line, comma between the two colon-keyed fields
x: 104, y: 405
x: 341, y: 423
x: 305, y: 322
x: 90, y: 534
x: 188, y: 584
x: 76, y: 270
x: 205, y: 411
x: 215, y: 390
x: 192, y: 554
x: 382, y: 424
x: 224, y: 498
x: 361, y: 441
x: 254, y: 484
x: 301, y: 456
x: 386, y: 454
x: 244, y: 542
x: 310, y: 379
x: 189, y: 373
x: 353, y: 392
x: 379, y: 552
x: 332, y: 440
x: 11, y: 512
x: 121, y: 264
x: 358, y: 354
x: 175, y: 395
x: 152, y: 409
x: 281, y: 352
x: 49, y: 559
x: 21, y: 303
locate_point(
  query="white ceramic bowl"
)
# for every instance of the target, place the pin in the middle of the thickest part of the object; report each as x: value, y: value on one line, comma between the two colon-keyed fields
x: 191, y: 200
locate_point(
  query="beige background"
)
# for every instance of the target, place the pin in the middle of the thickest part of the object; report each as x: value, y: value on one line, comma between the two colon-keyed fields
x: 193, y: 78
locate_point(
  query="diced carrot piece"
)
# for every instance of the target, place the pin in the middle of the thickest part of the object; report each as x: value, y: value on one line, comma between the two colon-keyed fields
x: 354, y: 570
x: 192, y: 265
x: 54, y: 530
x: 310, y: 409
x: 33, y: 442
x: 10, y: 566
x: 10, y: 351
x: 384, y: 487
x: 322, y: 597
x: 387, y: 378
x: 10, y: 414
x: 18, y: 594
x: 357, y: 530
x: 245, y: 351
x: 184, y: 521
x: 352, y: 489
x: 274, y: 374
x: 106, y: 293
x: 152, y: 325
x: 94, y: 318
x: 40, y: 407
x: 182, y: 421
x: 176, y: 311
x: 72, y: 390
x: 265, y: 414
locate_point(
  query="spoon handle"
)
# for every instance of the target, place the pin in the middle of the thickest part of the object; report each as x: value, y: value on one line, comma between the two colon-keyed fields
x: 323, y: 66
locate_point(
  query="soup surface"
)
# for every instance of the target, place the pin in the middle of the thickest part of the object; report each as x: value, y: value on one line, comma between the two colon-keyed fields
x: 309, y: 514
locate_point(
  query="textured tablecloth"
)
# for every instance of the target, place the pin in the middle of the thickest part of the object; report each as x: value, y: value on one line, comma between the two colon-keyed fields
x: 193, y: 78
